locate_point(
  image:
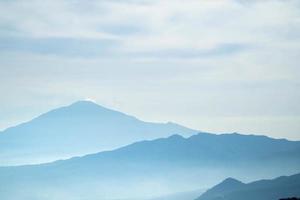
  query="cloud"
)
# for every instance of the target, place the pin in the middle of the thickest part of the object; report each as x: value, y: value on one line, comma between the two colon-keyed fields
x: 155, y: 26
x: 195, y: 62
x: 86, y: 47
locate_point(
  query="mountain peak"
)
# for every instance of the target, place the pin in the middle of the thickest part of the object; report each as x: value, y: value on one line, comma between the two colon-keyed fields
x: 231, y: 181
x: 88, y: 105
x: 84, y: 102
x: 228, y: 184
x: 82, y: 109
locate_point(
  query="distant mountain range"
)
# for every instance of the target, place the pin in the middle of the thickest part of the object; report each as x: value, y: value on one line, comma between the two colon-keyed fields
x: 79, y: 129
x: 151, y: 168
x: 275, y: 189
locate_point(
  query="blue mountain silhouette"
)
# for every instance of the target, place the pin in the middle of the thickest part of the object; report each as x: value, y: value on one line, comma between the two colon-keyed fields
x: 81, y: 128
x: 155, y: 167
x: 231, y: 189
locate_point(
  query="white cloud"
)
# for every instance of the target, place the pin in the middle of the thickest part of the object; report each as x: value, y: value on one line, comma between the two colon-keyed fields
x: 158, y: 25
x: 195, y: 62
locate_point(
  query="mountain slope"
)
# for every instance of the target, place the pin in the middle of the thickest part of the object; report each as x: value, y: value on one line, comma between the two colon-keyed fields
x: 81, y: 128
x: 153, y: 168
x: 285, y: 186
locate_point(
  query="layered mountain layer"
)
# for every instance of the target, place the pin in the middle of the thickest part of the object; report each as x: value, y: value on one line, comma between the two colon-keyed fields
x: 151, y: 168
x: 79, y: 129
x: 278, y: 188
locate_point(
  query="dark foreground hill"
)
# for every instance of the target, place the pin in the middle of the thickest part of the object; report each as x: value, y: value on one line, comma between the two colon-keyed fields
x: 275, y: 189
x: 152, y: 168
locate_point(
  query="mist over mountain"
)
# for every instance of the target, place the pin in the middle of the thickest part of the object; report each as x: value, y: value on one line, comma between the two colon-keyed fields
x: 231, y: 189
x: 152, y: 168
x: 187, y: 195
x: 81, y: 128
x: 228, y: 67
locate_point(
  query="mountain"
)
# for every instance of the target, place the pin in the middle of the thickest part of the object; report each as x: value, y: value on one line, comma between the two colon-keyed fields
x: 228, y: 185
x: 275, y: 189
x: 79, y: 129
x: 153, y: 168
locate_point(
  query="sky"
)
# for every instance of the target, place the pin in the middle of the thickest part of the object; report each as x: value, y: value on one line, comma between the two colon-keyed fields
x: 213, y: 65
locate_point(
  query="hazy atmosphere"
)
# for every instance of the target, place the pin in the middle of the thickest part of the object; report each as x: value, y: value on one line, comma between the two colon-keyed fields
x: 216, y: 66
x: 149, y: 100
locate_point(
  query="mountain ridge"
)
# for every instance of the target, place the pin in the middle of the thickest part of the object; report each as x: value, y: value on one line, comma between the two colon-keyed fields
x: 266, y: 189
x: 169, y: 165
x: 172, y: 138
x: 78, y: 129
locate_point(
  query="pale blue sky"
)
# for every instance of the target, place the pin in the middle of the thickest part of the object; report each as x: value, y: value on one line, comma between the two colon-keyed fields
x: 218, y: 66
